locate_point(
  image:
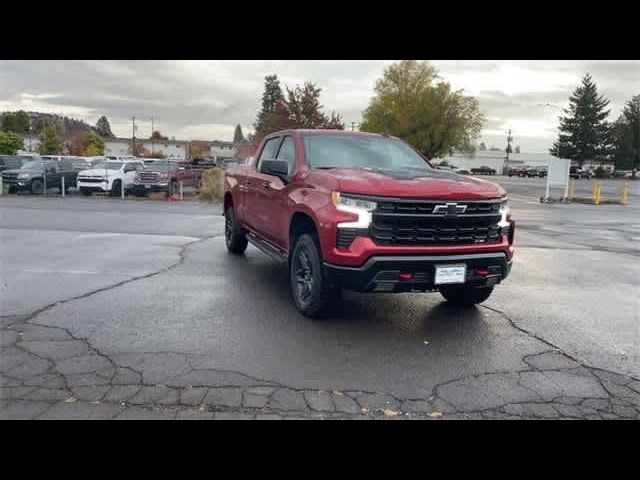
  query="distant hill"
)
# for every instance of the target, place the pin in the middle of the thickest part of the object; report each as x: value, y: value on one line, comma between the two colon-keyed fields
x: 18, y: 122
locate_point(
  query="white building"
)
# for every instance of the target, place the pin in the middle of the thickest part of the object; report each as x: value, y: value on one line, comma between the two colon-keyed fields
x: 496, y: 160
x: 221, y: 149
x: 170, y: 148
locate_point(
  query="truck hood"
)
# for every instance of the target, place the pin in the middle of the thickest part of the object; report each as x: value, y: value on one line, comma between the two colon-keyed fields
x: 410, y: 183
x: 98, y: 172
x: 33, y: 173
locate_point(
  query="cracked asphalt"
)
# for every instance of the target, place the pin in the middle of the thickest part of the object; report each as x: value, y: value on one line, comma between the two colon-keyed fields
x: 133, y: 310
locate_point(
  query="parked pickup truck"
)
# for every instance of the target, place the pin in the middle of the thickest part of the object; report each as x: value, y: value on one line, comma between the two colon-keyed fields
x: 109, y: 176
x: 36, y: 175
x: 366, y: 212
x: 165, y: 176
x: 484, y: 170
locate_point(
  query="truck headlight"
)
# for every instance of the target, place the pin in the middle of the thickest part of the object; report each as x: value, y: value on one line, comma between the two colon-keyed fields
x: 505, y: 215
x: 358, y: 206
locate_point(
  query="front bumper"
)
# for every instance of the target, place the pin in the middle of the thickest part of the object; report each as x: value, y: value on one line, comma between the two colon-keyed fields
x: 382, y: 273
x: 102, y: 186
x: 147, y: 188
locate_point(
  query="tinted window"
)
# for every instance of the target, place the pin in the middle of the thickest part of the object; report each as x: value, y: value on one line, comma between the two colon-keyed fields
x: 288, y: 153
x: 269, y: 150
x: 65, y: 165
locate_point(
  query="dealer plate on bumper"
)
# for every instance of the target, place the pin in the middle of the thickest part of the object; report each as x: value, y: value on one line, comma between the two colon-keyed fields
x: 450, y: 274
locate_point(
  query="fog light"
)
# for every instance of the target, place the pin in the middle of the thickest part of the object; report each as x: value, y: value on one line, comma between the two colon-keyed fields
x: 405, y: 276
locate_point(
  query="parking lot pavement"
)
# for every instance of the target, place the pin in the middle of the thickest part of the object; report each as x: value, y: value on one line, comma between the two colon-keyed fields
x: 125, y: 310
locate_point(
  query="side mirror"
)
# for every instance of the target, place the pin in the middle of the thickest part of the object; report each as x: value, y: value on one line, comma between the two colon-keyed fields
x: 279, y: 168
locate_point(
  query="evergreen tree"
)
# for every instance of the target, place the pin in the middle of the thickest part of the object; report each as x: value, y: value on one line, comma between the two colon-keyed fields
x: 238, y: 137
x: 104, y: 128
x: 584, y: 131
x: 483, y: 146
x: 626, y: 137
x: 272, y: 97
x: 517, y: 150
x: 49, y: 142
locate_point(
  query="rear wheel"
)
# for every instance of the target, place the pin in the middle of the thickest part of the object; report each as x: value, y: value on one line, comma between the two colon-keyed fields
x: 464, y: 296
x: 85, y: 191
x: 310, y: 288
x: 235, y: 239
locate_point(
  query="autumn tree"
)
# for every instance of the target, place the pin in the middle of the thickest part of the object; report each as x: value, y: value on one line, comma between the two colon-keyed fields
x: 413, y: 103
x: 300, y: 108
x: 10, y: 143
x: 103, y: 128
x: 50, y: 143
x: 137, y: 149
x: 156, y: 135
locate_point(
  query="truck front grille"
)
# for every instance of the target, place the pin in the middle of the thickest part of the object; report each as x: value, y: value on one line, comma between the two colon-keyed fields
x: 429, y: 222
x: 148, y: 177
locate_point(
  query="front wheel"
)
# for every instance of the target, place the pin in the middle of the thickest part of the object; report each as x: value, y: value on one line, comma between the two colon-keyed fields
x: 116, y: 188
x: 464, y: 296
x: 235, y: 239
x: 37, y: 187
x: 85, y: 191
x: 310, y: 289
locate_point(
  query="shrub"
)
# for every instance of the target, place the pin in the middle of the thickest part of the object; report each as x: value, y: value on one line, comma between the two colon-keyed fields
x: 600, y: 173
x: 212, y: 188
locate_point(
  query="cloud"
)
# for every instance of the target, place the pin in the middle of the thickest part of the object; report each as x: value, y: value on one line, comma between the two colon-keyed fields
x: 205, y: 99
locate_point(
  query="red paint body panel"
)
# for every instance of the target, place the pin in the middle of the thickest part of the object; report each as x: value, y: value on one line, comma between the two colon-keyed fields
x: 265, y: 204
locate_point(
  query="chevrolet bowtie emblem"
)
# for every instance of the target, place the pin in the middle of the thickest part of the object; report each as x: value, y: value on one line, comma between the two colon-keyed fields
x: 450, y: 209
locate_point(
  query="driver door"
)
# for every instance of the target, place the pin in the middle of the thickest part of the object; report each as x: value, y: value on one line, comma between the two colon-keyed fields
x: 129, y: 171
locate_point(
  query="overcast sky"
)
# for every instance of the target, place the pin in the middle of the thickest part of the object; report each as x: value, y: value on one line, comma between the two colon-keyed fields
x: 204, y: 99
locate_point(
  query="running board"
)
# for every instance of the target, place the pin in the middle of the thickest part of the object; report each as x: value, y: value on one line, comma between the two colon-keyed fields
x: 267, y: 248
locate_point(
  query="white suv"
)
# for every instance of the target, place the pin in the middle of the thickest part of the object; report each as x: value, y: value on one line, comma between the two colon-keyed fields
x: 109, y: 176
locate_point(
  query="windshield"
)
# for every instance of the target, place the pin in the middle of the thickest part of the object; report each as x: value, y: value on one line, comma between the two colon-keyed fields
x: 32, y: 165
x: 343, y: 151
x: 108, y: 165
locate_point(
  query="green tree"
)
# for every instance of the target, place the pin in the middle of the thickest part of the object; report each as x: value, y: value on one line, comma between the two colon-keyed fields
x: 104, y: 128
x: 10, y: 143
x: 238, y: 137
x: 483, y: 146
x: 272, y: 98
x: 412, y: 102
x: 517, y: 150
x: 95, y: 144
x: 584, y: 131
x: 16, y: 122
x: 50, y: 143
x: 626, y: 137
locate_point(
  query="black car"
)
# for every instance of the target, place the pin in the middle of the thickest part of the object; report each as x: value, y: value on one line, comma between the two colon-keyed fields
x: 578, y: 173
x: 483, y: 170
x: 35, y: 173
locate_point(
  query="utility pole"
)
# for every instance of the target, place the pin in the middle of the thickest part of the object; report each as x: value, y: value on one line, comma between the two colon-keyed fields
x: 152, y: 140
x: 509, y: 139
x: 353, y: 126
x: 133, y: 137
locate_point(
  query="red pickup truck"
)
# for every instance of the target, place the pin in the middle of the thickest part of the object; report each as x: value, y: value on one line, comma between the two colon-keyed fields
x: 165, y: 176
x: 367, y: 212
